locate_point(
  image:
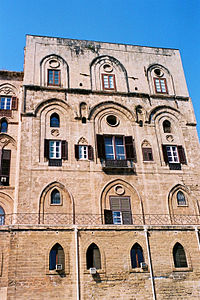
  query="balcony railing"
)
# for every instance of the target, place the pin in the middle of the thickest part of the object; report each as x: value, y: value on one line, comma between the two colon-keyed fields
x: 117, y: 164
x: 95, y: 219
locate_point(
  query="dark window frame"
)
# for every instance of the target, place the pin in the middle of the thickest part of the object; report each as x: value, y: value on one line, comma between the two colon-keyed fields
x: 53, y: 123
x: 53, y: 73
x: 93, y: 257
x: 165, y: 82
x: 137, y: 256
x: 179, y: 256
x: 56, y: 256
x: 103, y: 83
x: 147, y: 154
x: 1, y: 122
x: 53, y: 199
x: 2, y: 216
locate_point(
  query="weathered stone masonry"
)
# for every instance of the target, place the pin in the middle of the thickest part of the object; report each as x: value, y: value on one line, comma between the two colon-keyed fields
x: 99, y: 169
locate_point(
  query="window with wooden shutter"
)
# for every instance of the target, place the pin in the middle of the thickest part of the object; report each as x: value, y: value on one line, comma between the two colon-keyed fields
x: 90, y: 153
x: 179, y: 256
x: 165, y: 154
x: 5, y: 167
x: 130, y: 148
x: 136, y: 256
x: 181, y: 153
x: 14, y: 103
x: 46, y: 148
x: 147, y: 154
x: 93, y: 257
x: 100, y: 146
x: 108, y: 216
x: 64, y: 150
x: 121, y: 210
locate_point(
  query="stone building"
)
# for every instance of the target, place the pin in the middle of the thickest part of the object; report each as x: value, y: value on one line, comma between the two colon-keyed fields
x: 99, y: 195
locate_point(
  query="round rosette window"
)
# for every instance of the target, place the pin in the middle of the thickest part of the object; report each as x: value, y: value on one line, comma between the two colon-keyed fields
x: 112, y: 120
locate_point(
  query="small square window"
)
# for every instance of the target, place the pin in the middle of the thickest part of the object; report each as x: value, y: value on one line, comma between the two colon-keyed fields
x: 108, y: 81
x: 147, y: 154
x: 83, y: 152
x: 53, y: 77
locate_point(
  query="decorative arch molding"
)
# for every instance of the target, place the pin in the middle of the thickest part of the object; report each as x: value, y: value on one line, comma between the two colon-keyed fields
x: 165, y: 74
x: 96, y: 69
x: 127, y: 189
x: 161, y: 110
x: 190, y: 208
x: 82, y: 141
x: 8, y: 89
x: 6, y: 202
x: 66, y: 208
x: 95, y: 110
x: 61, y: 65
x: 6, y: 140
x: 145, y: 143
x: 50, y: 102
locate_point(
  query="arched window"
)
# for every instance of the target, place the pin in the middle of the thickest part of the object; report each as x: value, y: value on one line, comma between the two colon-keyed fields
x: 93, y: 257
x: 2, y: 216
x: 179, y: 256
x: 55, y: 197
x: 54, y: 120
x: 181, y: 198
x: 57, y: 258
x: 136, y: 256
x: 167, y: 127
x: 4, y: 126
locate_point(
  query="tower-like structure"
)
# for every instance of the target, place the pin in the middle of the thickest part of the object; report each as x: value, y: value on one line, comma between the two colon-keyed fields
x: 99, y: 195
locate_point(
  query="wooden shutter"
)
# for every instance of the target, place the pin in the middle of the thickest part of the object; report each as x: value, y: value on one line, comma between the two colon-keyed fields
x: 181, y: 153
x: 96, y: 258
x: 76, y: 149
x: 108, y: 217
x: 64, y: 150
x: 164, y: 149
x: 130, y: 148
x: 14, y: 103
x: 90, y: 153
x: 46, y: 148
x: 126, y: 210
x: 1, y: 150
x: 5, y: 162
x: 101, y: 146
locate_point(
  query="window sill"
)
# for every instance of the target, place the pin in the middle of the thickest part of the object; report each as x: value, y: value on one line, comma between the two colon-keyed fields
x: 149, y: 161
x: 99, y: 271
x: 185, y: 269
x: 138, y: 270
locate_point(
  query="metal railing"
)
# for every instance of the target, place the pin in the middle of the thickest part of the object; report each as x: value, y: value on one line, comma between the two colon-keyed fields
x: 95, y: 219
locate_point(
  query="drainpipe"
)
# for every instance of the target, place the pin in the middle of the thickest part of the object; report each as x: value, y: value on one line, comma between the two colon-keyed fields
x: 150, y: 263
x: 197, y: 235
x: 77, y: 265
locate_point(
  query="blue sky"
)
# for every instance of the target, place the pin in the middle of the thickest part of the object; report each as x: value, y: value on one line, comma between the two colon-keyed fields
x: 169, y: 23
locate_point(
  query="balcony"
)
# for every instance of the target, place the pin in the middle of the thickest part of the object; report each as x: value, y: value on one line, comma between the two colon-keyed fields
x: 117, y: 165
x: 55, y: 219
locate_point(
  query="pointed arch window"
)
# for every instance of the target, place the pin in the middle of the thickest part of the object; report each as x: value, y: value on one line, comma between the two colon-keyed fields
x: 57, y: 258
x: 2, y: 216
x: 181, y: 201
x: 55, y: 120
x: 4, y: 126
x: 55, y: 197
x: 179, y: 256
x: 137, y: 256
x: 167, y: 126
x: 93, y: 257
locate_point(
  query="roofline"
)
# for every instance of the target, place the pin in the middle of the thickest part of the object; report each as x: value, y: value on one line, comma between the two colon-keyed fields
x: 56, y: 37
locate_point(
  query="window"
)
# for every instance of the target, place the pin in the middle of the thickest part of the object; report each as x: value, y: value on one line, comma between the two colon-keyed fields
x: 93, y: 257
x: 56, y: 257
x: 55, y: 197
x: 108, y: 82
x: 181, y: 198
x: 5, y: 157
x: 2, y: 216
x: 174, y: 155
x: 166, y: 126
x: 53, y: 77
x: 147, y: 154
x: 160, y: 85
x: 136, y: 256
x: 55, y: 151
x: 84, y: 152
x: 5, y: 103
x: 179, y: 256
x: 116, y: 147
x: 54, y: 120
x: 8, y: 103
x: 120, y: 211
x: 4, y: 126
